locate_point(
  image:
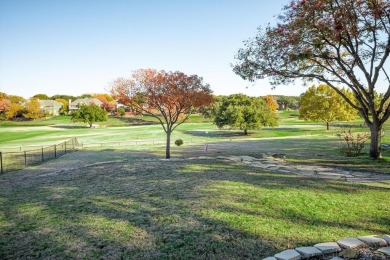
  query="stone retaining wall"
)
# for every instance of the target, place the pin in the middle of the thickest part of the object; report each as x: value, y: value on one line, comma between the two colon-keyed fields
x: 347, y: 248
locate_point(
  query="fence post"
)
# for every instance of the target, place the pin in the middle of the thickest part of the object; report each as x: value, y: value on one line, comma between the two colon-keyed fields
x: 1, y: 162
x: 25, y: 159
x: 65, y: 147
x: 55, y: 151
x: 42, y: 153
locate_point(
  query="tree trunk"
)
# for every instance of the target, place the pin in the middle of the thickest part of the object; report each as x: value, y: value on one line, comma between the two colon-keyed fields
x: 168, y: 145
x: 245, y: 132
x: 375, y: 146
x: 327, y: 125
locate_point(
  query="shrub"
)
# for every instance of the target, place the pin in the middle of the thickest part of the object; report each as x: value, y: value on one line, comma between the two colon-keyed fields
x: 179, y: 142
x: 352, y: 143
x: 121, y: 111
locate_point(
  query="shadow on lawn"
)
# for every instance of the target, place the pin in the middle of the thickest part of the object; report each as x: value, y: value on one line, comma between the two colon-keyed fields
x: 154, y: 209
x: 136, y: 121
x: 217, y: 134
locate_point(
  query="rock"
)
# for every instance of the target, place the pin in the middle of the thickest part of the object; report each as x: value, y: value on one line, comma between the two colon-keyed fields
x: 384, y: 250
x: 270, y: 258
x: 336, y: 258
x: 387, y: 239
x: 289, y: 254
x: 373, y: 240
x: 351, y: 242
x: 308, y: 251
x: 328, y: 247
x: 349, y: 254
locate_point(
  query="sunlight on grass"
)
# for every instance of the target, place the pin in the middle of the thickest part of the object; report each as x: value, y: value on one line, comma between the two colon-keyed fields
x: 117, y: 230
x: 298, y: 214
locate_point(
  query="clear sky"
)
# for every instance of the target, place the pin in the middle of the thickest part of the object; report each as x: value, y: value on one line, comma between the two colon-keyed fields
x: 80, y: 46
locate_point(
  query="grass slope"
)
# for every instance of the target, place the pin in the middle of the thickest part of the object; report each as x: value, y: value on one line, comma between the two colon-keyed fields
x: 155, y: 209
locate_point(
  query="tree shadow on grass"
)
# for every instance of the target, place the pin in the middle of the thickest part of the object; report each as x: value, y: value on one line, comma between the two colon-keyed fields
x: 136, y: 121
x: 217, y: 134
x: 155, y: 209
x: 70, y: 126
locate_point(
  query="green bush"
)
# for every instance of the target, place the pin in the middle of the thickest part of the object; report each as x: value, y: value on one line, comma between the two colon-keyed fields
x: 179, y: 142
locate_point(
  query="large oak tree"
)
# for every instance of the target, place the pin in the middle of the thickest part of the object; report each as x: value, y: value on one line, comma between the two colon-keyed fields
x: 337, y: 42
x: 168, y: 96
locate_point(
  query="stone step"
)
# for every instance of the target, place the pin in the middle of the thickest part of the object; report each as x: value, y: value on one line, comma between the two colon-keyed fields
x: 308, y: 251
x: 373, y: 240
x: 289, y: 254
x: 351, y: 242
x: 328, y: 247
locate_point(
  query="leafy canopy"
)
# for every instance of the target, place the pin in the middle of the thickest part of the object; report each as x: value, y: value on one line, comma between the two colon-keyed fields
x: 322, y: 103
x: 245, y: 113
x: 32, y: 109
x: 336, y: 42
x: 168, y: 96
x: 89, y: 114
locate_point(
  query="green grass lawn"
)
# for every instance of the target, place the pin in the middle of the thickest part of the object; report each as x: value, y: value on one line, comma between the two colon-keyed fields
x: 141, y: 207
x: 124, y: 202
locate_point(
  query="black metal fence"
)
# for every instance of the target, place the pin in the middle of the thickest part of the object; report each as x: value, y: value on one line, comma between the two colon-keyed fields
x: 11, y: 161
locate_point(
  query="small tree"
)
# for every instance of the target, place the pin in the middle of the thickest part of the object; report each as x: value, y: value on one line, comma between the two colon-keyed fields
x: 14, y: 111
x: 322, y: 103
x: 352, y: 143
x: 4, y: 105
x: 121, y: 111
x: 89, y: 114
x: 243, y: 112
x: 271, y: 103
x: 32, y: 109
x: 65, y: 106
x: 168, y: 96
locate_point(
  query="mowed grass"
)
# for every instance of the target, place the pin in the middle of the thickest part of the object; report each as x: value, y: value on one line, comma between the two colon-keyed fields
x: 128, y: 204
x: 196, y: 129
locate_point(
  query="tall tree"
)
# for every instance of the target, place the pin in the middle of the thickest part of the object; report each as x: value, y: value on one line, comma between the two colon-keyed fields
x: 14, y: 110
x: 16, y: 99
x: 41, y: 96
x: 89, y: 114
x: 32, y: 109
x: 66, y: 97
x: 337, y: 42
x: 271, y: 103
x: 4, y: 105
x: 285, y: 102
x: 243, y: 112
x: 107, y: 105
x: 108, y: 97
x: 322, y: 103
x: 3, y: 95
x: 168, y: 96
x: 65, y: 105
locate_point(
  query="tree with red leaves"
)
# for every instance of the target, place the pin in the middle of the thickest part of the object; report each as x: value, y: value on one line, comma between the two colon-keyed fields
x: 168, y: 96
x: 336, y: 42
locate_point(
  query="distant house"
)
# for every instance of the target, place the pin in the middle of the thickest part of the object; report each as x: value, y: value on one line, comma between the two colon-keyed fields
x: 51, y: 107
x: 84, y: 101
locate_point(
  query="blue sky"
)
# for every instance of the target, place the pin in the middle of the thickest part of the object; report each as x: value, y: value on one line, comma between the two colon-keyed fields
x: 81, y: 46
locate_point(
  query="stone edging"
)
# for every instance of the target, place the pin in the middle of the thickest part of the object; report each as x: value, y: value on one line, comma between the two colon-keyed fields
x: 342, y: 249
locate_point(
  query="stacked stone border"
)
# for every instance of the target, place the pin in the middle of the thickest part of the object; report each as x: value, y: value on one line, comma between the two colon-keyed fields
x: 342, y: 249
